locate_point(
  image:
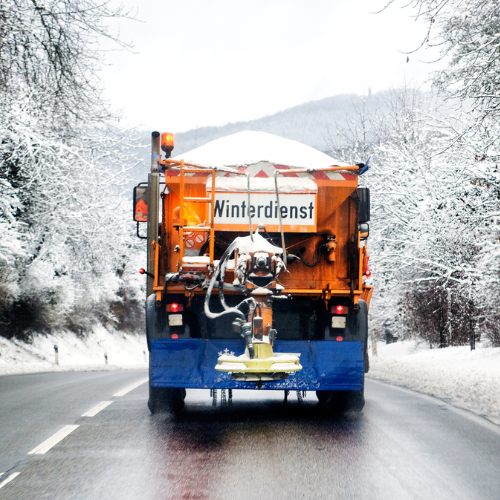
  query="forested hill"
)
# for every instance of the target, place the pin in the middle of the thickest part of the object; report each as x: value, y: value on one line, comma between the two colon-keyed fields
x: 318, y: 123
x: 326, y: 124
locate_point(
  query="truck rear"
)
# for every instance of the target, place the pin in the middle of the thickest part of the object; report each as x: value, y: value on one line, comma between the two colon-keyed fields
x: 257, y: 270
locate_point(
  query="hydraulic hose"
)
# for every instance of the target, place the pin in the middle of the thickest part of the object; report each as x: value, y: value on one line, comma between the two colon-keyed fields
x: 221, y: 266
x: 318, y: 257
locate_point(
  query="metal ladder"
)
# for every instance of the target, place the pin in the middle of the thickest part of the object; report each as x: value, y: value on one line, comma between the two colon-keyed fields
x: 193, y: 199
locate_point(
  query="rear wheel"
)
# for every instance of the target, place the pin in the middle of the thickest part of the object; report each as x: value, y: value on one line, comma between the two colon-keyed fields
x: 354, y: 401
x: 361, y: 330
x: 163, y: 399
x: 324, y: 397
x: 151, y: 319
x: 342, y: 401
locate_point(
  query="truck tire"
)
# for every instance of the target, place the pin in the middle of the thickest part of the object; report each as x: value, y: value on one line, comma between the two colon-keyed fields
x: 151, y: 319
x: 324, y: 397
x: 362, y: 331
x: 174, y: 399
x: 166, y: 399
x: 342, y: 401
x: 354, y: 401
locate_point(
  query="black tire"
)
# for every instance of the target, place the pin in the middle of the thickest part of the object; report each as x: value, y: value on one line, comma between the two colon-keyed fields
x: 163, y: 399
x: 362, y: 331
x: 155, y: 400
x: 355, y: 401
x: 342, y: 401
x: 174, y: 400
x: 324, y: 397
x: 151, y: 319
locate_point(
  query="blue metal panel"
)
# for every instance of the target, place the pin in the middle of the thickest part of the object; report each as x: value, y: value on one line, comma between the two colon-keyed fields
x: 189, y: 363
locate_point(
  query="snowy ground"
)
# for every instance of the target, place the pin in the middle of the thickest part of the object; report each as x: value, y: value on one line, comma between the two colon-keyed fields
x: 123, y: 351
x: 464, y: 378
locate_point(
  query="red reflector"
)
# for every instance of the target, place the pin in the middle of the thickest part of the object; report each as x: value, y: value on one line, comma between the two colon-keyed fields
x: 142, y: 271
x: 174, y: 307
x: 368, y: 273
x: 339, y: 338
x: 340, y: 309
x: 174, y: 336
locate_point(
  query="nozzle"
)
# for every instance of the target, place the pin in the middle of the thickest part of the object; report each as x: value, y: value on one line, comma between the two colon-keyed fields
x: 237, y: 325
x: 258, y: 324
x: 246, y: 333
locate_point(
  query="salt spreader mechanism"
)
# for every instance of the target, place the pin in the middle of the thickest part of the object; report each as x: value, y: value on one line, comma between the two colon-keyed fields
x: 257, y: 269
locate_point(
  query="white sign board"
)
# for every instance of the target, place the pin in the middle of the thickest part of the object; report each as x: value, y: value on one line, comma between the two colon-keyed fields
x: 298, y: 211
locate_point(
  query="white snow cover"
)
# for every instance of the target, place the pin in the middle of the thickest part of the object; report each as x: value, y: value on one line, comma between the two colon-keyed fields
x: 257, y: 243
x: 464, y: 378
x: 197, y: 259
x: 264, y: 184
x: 124, y: 350
x: 248, y: 147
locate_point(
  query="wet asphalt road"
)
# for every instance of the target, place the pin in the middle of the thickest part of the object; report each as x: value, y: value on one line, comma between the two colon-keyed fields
x: 402, y: 446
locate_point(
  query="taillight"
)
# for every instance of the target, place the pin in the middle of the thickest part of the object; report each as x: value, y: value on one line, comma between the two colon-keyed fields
x: 174, y: 307
x: 339, y: 338
x: 339, y: 309
x: 174, y: 336
x: 366, y: 263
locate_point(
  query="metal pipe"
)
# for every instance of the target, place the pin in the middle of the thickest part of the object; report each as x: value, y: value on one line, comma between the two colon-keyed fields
x: 249, y: 214
x: 153, y: 209
x: 155, y: 151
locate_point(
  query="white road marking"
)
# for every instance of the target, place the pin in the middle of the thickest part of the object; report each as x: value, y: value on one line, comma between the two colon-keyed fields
x: 9, y: 479
x: 44, y: 447
x: 129, y: 388
x: 96, y: 409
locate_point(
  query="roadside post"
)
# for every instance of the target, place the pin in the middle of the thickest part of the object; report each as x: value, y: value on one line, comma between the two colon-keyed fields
x: 472, y: 335
x: 56, y: 354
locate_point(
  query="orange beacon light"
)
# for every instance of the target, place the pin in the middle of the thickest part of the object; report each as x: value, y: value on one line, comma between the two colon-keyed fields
x: 167, y: 143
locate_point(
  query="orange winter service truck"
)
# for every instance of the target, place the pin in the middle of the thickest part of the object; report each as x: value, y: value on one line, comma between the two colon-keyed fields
x: 257, y: 270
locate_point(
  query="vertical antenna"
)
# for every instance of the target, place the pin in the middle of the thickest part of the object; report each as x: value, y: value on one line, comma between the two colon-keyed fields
x: 276, y: 189
x: 248, y: 201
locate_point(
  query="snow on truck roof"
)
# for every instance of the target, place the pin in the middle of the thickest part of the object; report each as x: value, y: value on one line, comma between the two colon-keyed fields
x: 249, y: 147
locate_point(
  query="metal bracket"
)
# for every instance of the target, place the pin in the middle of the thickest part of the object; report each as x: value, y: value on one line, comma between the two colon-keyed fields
x: 138, y: 234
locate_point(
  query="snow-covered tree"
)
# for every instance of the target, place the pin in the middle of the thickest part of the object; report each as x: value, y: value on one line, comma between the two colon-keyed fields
x: 434, y: 229
x: 66, y: 238
x: 468, y: 37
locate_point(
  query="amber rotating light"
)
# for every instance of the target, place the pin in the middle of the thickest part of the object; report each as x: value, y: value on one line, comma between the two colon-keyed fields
x: 167, y: 143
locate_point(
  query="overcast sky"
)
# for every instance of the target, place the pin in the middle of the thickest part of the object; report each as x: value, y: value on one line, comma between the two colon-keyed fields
x: 209, y: 62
